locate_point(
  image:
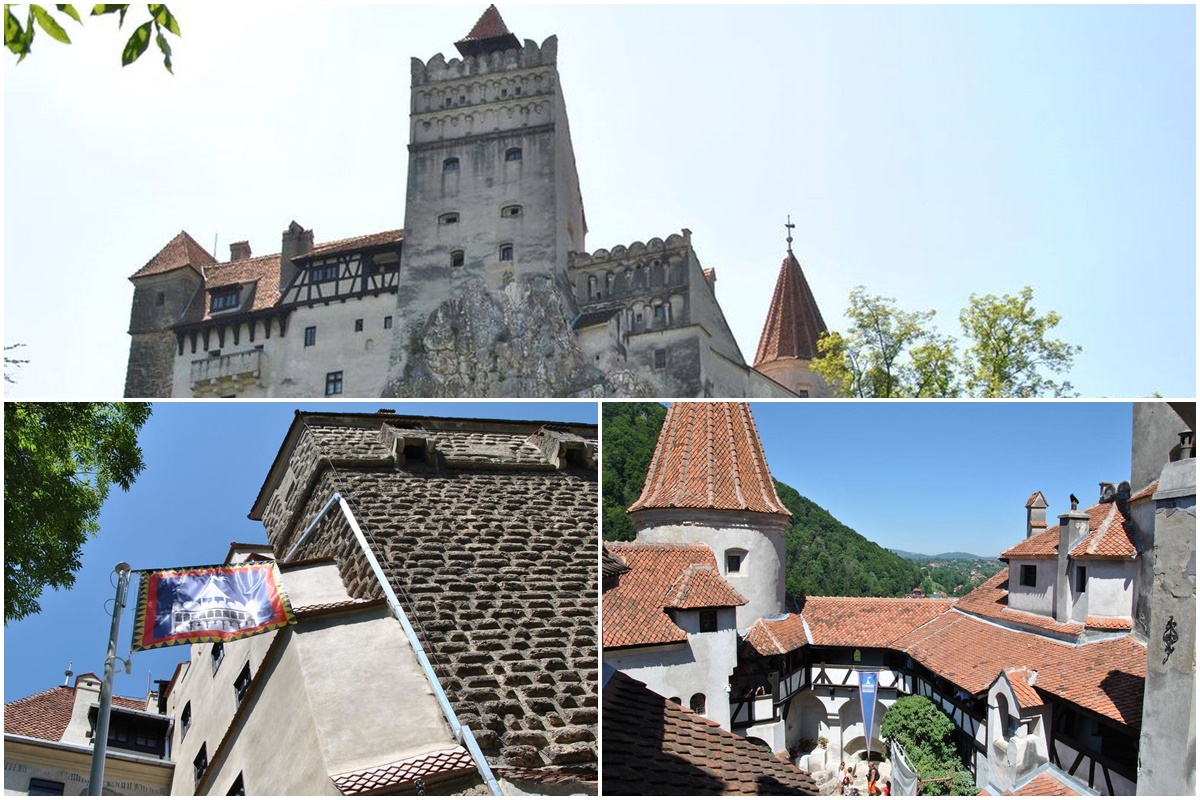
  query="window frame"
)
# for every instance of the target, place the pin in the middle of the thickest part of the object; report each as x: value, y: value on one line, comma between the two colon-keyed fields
x: 335, y: 383
x: 1028, y: 570
x: 241, y: 685
x: 1081, y: 578
x: 358, y: 325
x: 217, y: 655
x: 507, y: 252
x: 452, y: 163
x: 511, y: 211
x: 458, y: 258
x: 387, y: 322
x: 225, y: 299
x: 449, y: 218
x: 703, y: 704
x: 708, y: 620
x: 185, y: 720
x: 310, y: 336
x: 200, y: 763
x: 513, y: 154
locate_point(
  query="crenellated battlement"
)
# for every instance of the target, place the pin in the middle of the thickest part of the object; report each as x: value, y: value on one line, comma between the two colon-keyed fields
x: 531, y: 54
x: 633, y: 251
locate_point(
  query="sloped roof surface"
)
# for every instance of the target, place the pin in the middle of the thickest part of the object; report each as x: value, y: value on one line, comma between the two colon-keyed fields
x: 1109, y: 536
x: 655, y: 747
x: 844, y: 622
x: 709, y: 456
x: 659, y: 576
x: 794, y: 323
x: 182, y: 251
x: 489, y: 34
x: 990, y: 599
x: 1044, y: 785
x: 46, y: 715
x: 1023, y: 691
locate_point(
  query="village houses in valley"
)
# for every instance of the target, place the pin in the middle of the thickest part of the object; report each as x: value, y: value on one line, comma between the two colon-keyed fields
x: 1070, y: 672
x: 487, y: 290
x: 442, y: 573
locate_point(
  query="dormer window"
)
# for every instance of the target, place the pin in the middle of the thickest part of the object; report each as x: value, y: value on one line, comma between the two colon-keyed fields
x: 512, y: 154
x: 1081, y: 579
x: 450, y: 164
x: 225, y: 299
x: 449, y: 218
x: 510, y: 211
x: 1029, y: 574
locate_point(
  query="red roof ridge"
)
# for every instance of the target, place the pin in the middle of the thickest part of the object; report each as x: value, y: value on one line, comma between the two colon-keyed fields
x: 181, y: 251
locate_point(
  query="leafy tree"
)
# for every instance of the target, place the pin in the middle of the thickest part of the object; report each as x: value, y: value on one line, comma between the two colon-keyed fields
x: 1008, y: 349
x: 927, y: 736
x: 60, y: 460
x: 19, y: 37
x: 889, y: 352
x: 630, y: 434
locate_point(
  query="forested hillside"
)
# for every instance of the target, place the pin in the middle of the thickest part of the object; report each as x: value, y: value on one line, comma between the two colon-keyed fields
x: 824, y: 557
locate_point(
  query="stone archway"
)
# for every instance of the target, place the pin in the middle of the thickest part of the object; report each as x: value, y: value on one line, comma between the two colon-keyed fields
x: 806, y: 718
x: 852, y: 736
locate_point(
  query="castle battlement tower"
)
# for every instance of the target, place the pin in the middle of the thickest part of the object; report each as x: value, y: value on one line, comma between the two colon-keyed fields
x: 708, y: 483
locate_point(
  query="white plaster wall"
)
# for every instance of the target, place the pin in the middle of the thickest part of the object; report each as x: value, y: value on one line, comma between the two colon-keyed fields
x: 289, y: 369
x: 1109, y: 587
x: 1037, y: 599
x: 761, y: 580
x: 702, y: 665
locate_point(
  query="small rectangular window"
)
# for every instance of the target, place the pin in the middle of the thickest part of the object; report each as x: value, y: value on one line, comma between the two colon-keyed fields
x: 457, y: 257
x: 708, y: 620
x: 450, y: 164
x: 387, y: 322
x: 224, y: 299
x: 358, y: 325
x: 310, y: 335
x: 217, y: 655
x: 448, y: 219
x: 1029, y: 574
x: 201, y: 763
x: 333, y: 383
x: 506, y: 252
x: 510, y: 211
x: 241, y: 685
x: 44, y: 788
x: 1081, y: 579
x: 660, y: 358
x: 512, y: 154
x: 733, y: 563
x: 324, y: 273
x: 185, y: 720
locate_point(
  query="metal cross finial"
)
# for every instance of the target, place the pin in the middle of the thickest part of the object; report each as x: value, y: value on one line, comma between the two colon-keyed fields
x: 789, y: 227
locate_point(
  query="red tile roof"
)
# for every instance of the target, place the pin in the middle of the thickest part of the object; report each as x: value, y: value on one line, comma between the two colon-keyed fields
x: 701, y: 586
x: 1109, y: 624
x: 990, y: 599
x: 356, y: 243
x: 1044, y: 785
x: 182, y: 251
x: 489, y: 34
x: 46, y: 715
x: 655, y: 747
x: 1147, y: 492
x: 794, y: 323
x: 390, y: 777
x: 1023, y: 691
x: 709, y: 456
x: 1106, y: 677
x: 635, y: 610
x: 1109, y: 536
x: 845, y: 622
x: 1033, y: 498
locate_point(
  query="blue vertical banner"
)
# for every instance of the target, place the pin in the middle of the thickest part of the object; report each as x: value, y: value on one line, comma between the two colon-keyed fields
x: 868, y: 689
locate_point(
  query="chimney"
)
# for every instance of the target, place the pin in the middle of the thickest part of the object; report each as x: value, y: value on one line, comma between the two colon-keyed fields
x: 296, y: 242
x: 1035, y: 515
x: 1072, y: 527
x: 239, y: 251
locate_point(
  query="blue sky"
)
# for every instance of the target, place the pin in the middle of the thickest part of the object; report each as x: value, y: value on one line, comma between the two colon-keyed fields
x: 205, y: 463
x: 927, y: 153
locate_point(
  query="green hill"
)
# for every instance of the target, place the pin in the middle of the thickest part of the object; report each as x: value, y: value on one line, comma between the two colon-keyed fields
x: 824, y: 557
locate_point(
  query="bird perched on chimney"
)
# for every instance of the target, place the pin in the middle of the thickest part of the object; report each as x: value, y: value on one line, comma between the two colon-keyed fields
x: 1074, y: 503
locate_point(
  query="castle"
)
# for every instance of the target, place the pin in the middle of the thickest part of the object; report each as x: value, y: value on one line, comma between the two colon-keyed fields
x: 487, y: 291
x: 1060, y: 673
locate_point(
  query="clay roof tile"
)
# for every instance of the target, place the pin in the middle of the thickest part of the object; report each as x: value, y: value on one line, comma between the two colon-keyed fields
x: 794, y: 323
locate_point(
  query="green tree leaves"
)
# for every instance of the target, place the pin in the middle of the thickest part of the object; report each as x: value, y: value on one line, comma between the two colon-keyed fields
x: 889, y: 352
x: 630, y: 433
x: 18, y: 38
x: 60, y: 460
x: 927, y: 736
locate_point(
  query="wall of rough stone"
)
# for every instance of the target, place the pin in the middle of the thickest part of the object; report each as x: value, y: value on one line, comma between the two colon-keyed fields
x: 152, y: 349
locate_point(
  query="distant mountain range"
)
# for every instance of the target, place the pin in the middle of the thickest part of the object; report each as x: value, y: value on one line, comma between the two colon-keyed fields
x: 955, y: 556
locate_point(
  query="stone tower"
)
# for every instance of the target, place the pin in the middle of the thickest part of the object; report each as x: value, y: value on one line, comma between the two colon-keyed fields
x: 708, y: 483
x: 163, y: 292
x: 794, y: 325
x: 493, y: 208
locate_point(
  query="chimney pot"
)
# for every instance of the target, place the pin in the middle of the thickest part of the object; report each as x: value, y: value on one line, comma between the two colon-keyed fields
x: 1187, y: 444
x: 239, y: 251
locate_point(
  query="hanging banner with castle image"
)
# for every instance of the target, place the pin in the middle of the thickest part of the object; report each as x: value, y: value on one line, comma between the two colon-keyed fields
x: 209, y: 604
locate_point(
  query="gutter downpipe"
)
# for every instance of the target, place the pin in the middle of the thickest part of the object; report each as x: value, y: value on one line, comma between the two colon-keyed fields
x: 461, y: 732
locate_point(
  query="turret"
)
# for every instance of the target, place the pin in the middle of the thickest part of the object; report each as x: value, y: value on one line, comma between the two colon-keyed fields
x: 794, y: 325
x: 709, y: 483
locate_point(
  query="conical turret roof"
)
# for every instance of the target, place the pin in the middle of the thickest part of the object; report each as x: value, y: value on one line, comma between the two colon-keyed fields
x: 709, y: 456
x: 794, y: 322
x: 489, y: 35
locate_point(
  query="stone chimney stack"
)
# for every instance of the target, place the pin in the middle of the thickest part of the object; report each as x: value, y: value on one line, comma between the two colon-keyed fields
x: 1035, y: 514
x: 296, y: 242
x: 1072, y: 527
x: 239, y: 251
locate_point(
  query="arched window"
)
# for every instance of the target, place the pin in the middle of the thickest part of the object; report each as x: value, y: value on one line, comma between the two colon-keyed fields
x: 456, y: 258
x: 591, y: 287
x: 510, y: 211
x: 512, y: 154
x: 449, y: 218
x: 697, y: 704
x: 506, y: 252
x: 450, y: 165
